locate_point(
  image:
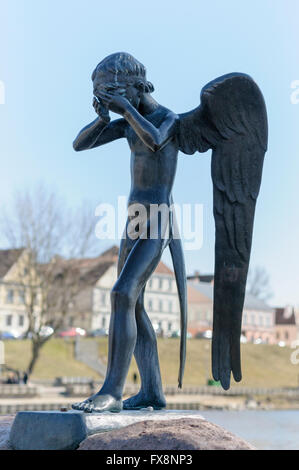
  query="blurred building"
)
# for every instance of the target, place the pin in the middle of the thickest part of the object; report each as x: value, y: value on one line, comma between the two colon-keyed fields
x: 91, y: 307
x: 258, y: 320
x: 13, y: 319
x: 285, y: 325
x: 200, y: 309
x: 198, y: 277
x: 258, y: 323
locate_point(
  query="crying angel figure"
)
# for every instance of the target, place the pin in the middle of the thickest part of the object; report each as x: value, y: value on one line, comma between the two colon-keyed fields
x: 231, y: 120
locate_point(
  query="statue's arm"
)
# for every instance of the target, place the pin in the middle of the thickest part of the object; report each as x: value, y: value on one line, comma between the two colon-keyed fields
x: 99, y: 133
x: 153, y: 137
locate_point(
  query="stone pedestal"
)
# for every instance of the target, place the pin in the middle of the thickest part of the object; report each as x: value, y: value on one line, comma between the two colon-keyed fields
x: 55, y: 430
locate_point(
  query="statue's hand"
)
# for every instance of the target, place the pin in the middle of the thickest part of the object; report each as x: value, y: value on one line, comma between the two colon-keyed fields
x: 101, y: 110
x: 114, y: 102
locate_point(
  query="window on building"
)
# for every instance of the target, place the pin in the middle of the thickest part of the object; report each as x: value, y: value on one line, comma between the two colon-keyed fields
x: 71, y: 321
x: 261, y: 320
x: 160, y: 283
x: 150, y: 283
x: 103, y: 298
x: 277, y: 335
x: 170, y: 284
x: 21, y: 320
x: 245, y: 319
x: 8, y: 320
x: 286, y: 335
x: 104, y: 322
x: 21, y: 296
x: 9, y: 296
x: 170, y: 305
x: 150, y: 305
x: 169, y: 326
x: 161, y: 305
x: 35, y: 299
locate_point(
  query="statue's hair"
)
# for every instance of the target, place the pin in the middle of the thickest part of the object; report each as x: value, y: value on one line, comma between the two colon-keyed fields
x: 122, y: 63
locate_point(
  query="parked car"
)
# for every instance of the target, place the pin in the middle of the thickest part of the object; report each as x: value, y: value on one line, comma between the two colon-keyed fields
x: 99, y: 332
x: 9, y: 335
x: 72, y: 332
x: 46, y: 331
x: 258, y: 341
x: 158, y: 330
x: 177, y: 334
x: 204, y: 334
x: 243, y: 339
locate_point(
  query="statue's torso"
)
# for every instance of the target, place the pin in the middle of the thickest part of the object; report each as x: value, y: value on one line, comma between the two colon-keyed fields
x: 152, y: 173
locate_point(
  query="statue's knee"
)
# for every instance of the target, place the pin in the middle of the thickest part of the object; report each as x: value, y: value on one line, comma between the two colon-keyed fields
x: 121, y: 298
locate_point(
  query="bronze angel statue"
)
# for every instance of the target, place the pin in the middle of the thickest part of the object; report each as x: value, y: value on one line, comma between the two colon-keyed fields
x: 232, y: 121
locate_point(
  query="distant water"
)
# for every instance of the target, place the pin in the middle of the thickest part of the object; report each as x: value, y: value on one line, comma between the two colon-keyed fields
x: 269, y: 430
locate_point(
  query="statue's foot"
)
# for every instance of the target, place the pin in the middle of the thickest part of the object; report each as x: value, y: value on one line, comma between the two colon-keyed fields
x: 141, y: 400
x: 99, y: 403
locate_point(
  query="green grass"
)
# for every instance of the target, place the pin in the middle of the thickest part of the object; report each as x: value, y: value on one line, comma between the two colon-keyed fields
x: 263, y: 365
x: 56, y: 359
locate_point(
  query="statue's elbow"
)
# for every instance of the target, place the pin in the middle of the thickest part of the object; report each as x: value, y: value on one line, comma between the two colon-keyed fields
x: 155, y: 146
x: 158, y: 144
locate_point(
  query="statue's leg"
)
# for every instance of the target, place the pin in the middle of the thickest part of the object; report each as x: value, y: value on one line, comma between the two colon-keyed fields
x: 146, y: 352
x: 146, y: 355
x: 141, y: 262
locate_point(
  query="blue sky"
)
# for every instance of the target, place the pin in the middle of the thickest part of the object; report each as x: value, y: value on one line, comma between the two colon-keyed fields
x: 48, y: 51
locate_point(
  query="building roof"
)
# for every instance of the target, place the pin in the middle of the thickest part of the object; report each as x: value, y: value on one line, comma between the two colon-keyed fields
x: 203, y: 288
x: 112, y: 252
x: 253, y: 303
x: 283, y: 317
x: 201, y: 277
x: 195, y: 296
x: 163, y: 269
x: 91, y: 277
x: 250, y: 303
x: 109, y: 256
x: 8, y: 258
x: 92, y: 269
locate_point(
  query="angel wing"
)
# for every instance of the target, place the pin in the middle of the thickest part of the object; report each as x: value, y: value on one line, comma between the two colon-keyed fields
x: 232, y: 121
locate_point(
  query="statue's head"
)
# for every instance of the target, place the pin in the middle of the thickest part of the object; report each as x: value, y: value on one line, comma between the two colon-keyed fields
x: 123, y: 74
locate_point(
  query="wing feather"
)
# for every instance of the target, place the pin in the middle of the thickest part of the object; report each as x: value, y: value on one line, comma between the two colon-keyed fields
x: 232, y: 121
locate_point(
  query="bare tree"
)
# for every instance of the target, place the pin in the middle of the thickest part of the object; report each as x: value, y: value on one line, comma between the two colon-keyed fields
x: 54, y: 239
x: 258, y: 283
